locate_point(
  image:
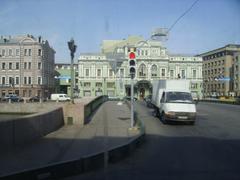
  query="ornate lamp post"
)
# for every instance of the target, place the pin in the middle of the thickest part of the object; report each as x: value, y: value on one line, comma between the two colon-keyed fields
x: 72, y: 47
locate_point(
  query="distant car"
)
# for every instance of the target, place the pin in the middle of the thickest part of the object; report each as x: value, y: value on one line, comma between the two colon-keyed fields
x: 34, y: 99
x: 13, y: 97
x: 128, y: 98
x: 113, y: 98
x: 60, y: 97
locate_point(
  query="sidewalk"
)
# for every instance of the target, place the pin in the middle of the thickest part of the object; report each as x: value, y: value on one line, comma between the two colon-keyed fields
x: 109, y: 128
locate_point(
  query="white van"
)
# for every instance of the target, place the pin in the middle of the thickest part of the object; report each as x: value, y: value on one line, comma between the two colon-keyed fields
x: 173, y: 101
x: 60, y: 97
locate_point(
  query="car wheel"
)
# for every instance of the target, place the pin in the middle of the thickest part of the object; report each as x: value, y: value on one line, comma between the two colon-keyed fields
x: 163, y: 118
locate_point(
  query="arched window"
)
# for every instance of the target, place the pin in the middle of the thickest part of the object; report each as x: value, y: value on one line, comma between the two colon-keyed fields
x: 142, y: 71
x: 154, y: 70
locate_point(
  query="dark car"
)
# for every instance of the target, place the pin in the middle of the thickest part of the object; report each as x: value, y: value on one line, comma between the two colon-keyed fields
x: 128, y: 98
x: 34, y: 99
x: 13, y: 97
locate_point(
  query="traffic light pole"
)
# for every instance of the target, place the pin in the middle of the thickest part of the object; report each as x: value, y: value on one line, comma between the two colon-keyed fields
x: 132, y: 101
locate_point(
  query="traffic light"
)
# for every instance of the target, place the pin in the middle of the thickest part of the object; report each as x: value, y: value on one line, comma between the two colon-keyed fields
x: 132, y: 63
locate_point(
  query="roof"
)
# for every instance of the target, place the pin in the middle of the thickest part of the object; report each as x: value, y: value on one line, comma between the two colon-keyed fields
x: 227, y: 47
x: 181, y: 55
x: 110, y: 45
x: 92, y: 54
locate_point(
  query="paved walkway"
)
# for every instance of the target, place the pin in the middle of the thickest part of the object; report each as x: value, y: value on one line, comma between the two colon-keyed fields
x: 109, y: 127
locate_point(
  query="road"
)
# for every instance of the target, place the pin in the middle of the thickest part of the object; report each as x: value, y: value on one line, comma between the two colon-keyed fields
x: 208, y: 150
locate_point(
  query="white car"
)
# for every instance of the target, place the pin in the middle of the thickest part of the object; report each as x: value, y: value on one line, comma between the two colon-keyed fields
x: 60, y: 97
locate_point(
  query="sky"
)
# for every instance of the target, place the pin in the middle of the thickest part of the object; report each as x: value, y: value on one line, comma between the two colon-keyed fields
x: 209, y: 25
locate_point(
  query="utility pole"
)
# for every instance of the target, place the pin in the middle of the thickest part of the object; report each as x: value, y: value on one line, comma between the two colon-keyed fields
x: 72, y: 47
x: 132, y: 71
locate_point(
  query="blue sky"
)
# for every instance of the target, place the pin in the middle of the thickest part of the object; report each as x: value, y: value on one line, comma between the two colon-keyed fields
x: 210, y: 24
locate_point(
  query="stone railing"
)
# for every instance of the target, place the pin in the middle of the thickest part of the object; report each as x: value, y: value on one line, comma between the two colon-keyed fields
x: 92, y: 106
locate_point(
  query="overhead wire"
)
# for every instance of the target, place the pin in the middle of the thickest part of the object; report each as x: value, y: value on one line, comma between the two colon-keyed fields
x: 185, y: 12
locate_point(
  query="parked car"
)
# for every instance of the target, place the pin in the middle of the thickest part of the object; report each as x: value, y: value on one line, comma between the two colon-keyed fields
x: 34, y: 99
x: 13, y: 97
x: 60, y: 97
x: 128, y: 98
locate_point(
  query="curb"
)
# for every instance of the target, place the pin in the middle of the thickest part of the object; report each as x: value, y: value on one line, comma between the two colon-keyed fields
x: 83, y: 164
x: 221, y: 102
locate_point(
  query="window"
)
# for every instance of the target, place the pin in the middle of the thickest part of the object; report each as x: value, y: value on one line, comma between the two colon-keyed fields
x: 10, y: 52
x: 25, y: 65
x: 39, y: 80
x: 154, y: 70
x: 10, y: 65
x: 25, y: 80
x: 16, y: 80
x: 194, y: 73
x: 183, y: 73
x: 39, y: 52
x: 87, y: 84
x: 29, y: 65
x: 3, y: 65
x: 110, y: 85
x: 17, y: 52
x: 3, y: 80
x: 98, y: 84
x: 39, y: 65
x: 3, y: 52
x: 163, y: 73
x: 11, y: 80
x: 171, y: 73
x: 87, y: 72
x: 29, y: 80
x: 30, y: 52
x: 25, y: 52
x: 99, y: 72
x: 142, y: 70
x: 138, y: 52
x: 110, y: 72
x: 146, y: 52
x: 17, y: 65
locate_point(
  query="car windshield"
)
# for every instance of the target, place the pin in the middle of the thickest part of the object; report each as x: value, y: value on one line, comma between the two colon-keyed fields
x: 178, y: 97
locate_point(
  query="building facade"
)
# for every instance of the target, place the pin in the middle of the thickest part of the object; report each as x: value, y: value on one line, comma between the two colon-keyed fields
x: 108, y: 72
x: 236, y: 73
x: 218, y: 71
x: 26, y: 66
x: 63, y: 79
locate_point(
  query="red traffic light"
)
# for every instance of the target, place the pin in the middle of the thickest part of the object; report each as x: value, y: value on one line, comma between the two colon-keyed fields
x: 132, y: 55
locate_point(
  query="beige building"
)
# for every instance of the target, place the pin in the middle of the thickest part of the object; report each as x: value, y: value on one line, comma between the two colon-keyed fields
x: 236, y: 73
x: 107, y: 72
x: 218, y: 74
x: 26, y: 66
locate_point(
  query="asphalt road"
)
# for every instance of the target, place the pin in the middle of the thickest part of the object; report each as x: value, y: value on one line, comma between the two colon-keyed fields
x: 208, y: 150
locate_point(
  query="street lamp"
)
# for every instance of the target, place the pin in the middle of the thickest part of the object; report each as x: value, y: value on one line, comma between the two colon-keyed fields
x: 72, y: 47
